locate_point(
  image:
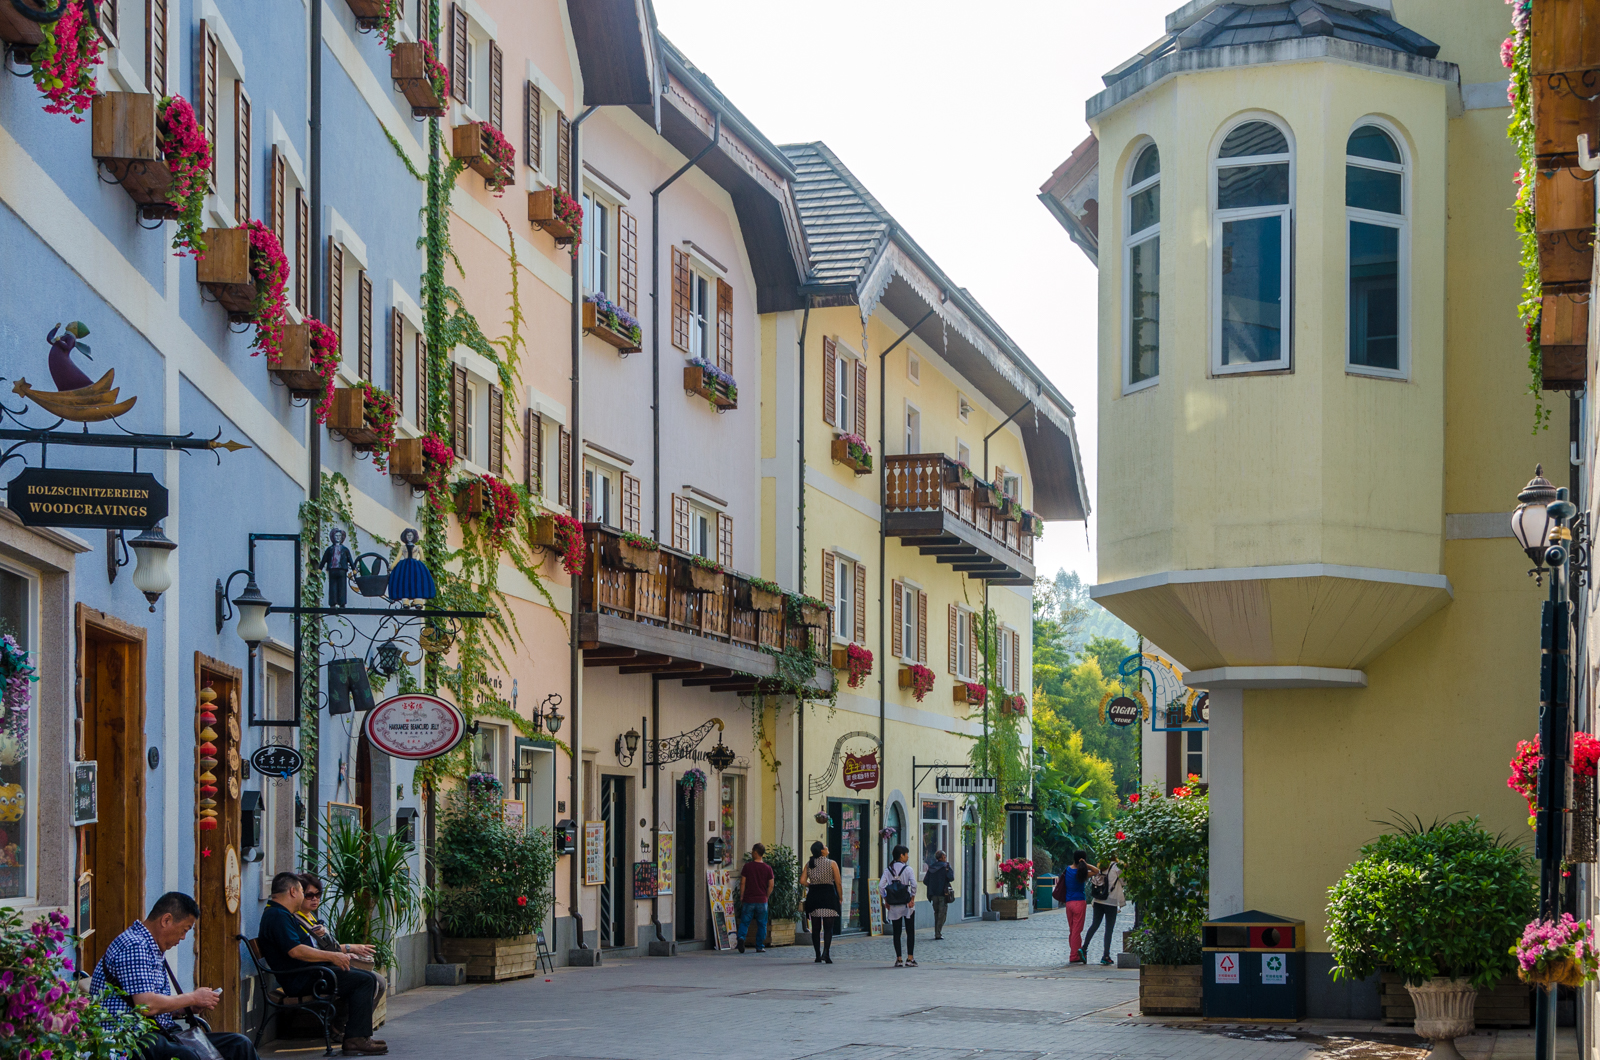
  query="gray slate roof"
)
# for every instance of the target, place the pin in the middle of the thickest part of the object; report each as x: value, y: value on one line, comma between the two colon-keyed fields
x: 845, y: 226
x: 1232, y: 24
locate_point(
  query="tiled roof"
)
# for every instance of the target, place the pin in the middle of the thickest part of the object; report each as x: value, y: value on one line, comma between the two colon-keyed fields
x: 1230, y: 24
x: 845, y: 226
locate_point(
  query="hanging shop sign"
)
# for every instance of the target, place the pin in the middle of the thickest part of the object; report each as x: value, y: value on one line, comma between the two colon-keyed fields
x: 415, y: 726
x: 1123, y: 711
x: 966, y: 785
x: 104, y: 500
x: 861, y: 773
x: 85, y: 793
x: 277, y: 761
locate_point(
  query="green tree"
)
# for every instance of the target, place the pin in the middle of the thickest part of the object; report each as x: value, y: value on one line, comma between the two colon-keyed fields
x: 1075, y: 790
x: 1109, y: 653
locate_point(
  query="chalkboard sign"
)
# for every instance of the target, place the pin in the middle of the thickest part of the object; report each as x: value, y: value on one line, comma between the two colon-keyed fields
x: 85, y: 793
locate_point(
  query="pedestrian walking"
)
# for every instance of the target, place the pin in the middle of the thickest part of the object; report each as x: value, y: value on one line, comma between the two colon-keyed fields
x: 755, y: 888
x: 821, y: 901
x: 1105, y: 894
x: 898, y: 892
x: 1071, y: 891
x: 940, y: 881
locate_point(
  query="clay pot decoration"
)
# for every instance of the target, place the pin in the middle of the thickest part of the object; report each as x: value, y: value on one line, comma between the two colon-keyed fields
x: 13, y: 801
x: 205, y: 805
x: 11, y: 750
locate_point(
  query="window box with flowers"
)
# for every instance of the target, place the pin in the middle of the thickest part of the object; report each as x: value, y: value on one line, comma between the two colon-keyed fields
x: 423, y: 462
x: 712, y: 383
x: 154, y: 148
x: 918, y: 678
x: 970, y: 692
x: 488, y: 497
x: 244, y: 270
x: 1524, y: 780
x: 1033, y: 524
x: 958, y: 475
x: 854, y: 659
x: 853, y: 452
x: 810, y: 612
x: 563, y: 535
x: 557, y: 213
x: 611, y: 323
x: 487, y: 153
x: 758, y: 594
x: 701, y: 575
x: 985, y: 495
x: 420, y: 77
x: 370, y: 14
x: 308, y: 362
x: 366, y: 417
x: 631, y: 552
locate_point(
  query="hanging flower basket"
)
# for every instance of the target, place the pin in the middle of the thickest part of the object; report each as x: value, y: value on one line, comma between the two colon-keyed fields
x: 821, y: 817
x: 612, y: 324
x: 65, y: 60
x: 487, y: 153
x: 557, y: 213
x: 1557, y: 952
x: 420, y: 77
x: 853, y: 452
x: 918, y: 678
x: 692, y: 783
x: 632, y: 552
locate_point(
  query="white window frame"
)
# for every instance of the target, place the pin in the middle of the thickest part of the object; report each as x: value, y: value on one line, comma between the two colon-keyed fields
x: 908, y: 622
x: 475, y: 392
x: 1221, y: 217
x: 602, y: 487
x: 844, y: 589
x: 411, y: 325
x: 474, y: 79
x: 1132, y: 241
x: 703, y: 520
x: 913, y: 429
x: 599, y: 225
x: 964, y: 634
x: 1003, y: 656
x: 844, y: 383
x: 702, y: 315
x: 1401, y: 222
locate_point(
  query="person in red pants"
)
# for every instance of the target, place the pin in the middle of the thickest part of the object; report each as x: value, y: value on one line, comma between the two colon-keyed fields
x: 1071, y: 891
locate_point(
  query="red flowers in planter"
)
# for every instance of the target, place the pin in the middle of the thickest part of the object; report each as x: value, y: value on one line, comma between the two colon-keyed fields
x: 188, y: 157
x: 977, y: 694
x: 499, y: 151
x: 437, y: 460
x: 270, y: 269
x: 502, y: 505
x: 570, y: 213
x: 569, y: 539
x: 921, y: 681
x: 858, y: 662
x: 1525, y: 765
x: 64, y: 65
x: 379, y: 411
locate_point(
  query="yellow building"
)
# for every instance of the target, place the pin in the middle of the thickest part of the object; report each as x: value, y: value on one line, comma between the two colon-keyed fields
x: 1312, y: 411
x: 898, y: 534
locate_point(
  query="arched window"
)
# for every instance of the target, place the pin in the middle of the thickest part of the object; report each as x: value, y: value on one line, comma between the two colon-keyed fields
x: 1251, y: 266
x: 1374, y: 198
x: 1141, y: 358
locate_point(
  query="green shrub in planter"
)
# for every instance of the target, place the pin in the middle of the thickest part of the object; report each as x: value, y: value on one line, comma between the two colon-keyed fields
x: 1163, y: 843
x: 784, y: 903
x: 1440, y: 900
x: 497, y: 879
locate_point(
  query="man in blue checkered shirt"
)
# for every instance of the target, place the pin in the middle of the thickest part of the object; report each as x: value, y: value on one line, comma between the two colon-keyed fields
x: 135, y: 964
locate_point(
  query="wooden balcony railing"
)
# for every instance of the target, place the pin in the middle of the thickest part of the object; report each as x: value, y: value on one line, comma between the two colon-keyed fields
x: 930, y: 482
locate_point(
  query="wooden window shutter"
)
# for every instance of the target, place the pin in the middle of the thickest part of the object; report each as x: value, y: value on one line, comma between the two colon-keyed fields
x: 422, y: 382
x: 397, y: 358
x: 458, y: 409
x: 532, y: 451
x: 155, y: 46
x: 1016, y: 662
x: 898, y: 648
x: 830, y: 381
x: 632, y: 510
x: 458, y: 52
x: 424, y: 20
x: 563, y: 153
x: 725, y: 539
x: 724, y: 326
x: 497, y: 87
x: 497, y: 427
x: 108, y: 20
x: 827, y: 577
x: 627, y: 261
x: 975, y: 647
x: 533, y: 127
x: 364, y: 326
x: 680, y: 523
x: 680, y: 299
x: 302, y: 251
x: 860, y: 636
x: 954, y: 646
x: 277, y: 193
x: 922, y: 628
x: 564, y: 488
x: 241, y: 139
x: 208, y: 74
x: 336, y: 289
x: 999, y: 477
x: 861, y: 398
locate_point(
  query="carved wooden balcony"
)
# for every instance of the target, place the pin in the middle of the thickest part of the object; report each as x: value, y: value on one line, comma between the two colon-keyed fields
x: 923, y: 509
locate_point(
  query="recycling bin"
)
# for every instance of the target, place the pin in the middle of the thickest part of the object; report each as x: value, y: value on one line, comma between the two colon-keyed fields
x: 1253, y: 967
x: 1042, y: 886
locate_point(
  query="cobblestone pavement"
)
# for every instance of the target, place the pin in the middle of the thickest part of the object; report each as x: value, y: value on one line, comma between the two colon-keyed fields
x: 989, y: 991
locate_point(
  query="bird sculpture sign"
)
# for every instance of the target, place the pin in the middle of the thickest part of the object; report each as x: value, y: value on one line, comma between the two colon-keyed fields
x: 76, y: 397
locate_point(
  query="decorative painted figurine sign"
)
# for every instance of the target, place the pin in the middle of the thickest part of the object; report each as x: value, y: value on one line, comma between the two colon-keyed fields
x: 414, y: 726
x: 277, y: 761
x: 861, y: 773
x: 107, y: 500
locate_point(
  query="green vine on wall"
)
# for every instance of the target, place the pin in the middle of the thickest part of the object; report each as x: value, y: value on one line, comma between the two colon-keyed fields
x: 329, y: 510
x: 1515, y: 53
x: 1000, y: 753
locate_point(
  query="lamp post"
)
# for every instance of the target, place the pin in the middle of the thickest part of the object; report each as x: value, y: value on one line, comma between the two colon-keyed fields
x: 1539, y: 525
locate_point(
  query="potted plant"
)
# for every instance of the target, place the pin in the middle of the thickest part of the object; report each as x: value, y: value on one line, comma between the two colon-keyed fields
x: 918, y: 678
x: 557, y: 213
x: 758, y: 594
x: 630, y: 551
x: 66, y: 57
x: 488, y: 496
x: 1557, y: 953
x: 612, y: 324
x: 486, y: 152
x: 46, y: 1017
x: 809, y: 611
x: 1163, y: 844
x: 957, y: 475
x: 783, y: 904
x: 496, y: 885
x: 985, y: 495
x: 563, y: 535
x: 1440, y: 905
x: 308, y: 362
x: 972, y: 693
x: 420, y: 77
x: 366, y: 417
x: 1015, y: 874
x: 701, y: 575
x: 853, y: 452
x: 157, y: 151
x: 712, y: 383
x: 855, y: 659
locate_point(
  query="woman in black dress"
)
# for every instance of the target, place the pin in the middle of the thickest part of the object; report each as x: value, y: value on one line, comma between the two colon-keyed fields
x: 822, y: 890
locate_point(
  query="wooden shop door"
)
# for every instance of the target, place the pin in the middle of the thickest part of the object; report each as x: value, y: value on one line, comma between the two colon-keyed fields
x: 217, y: 866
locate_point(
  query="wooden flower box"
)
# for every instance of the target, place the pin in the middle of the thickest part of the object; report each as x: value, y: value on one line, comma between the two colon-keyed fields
x: 1009, y: 908
x: 408, y: 67
x: 225, y: 271
x: 955, y: 478
x: 406, y: 462
x: 295, y: 369
x: 1560, y: 113
x: 123, y: 140
x: 765, y: 601
x: 368, y: 12
x: 1170, y: 990
x: 619, y: 554
x: 841, y: 455
x: 348, y: 416
x: 695, y: 381
x: 1563, y: 341
x: 1563, y: 35
x: 491, y: 960
x: 1564, y: 224
x: 814, y: 617
x: 15, y: 29
x: 468, y: 142
x: 961, y: 694
x: 542, y: 212
x: 693, y: 579
x: 594, y: 325
x: 840, y: 658
x: 471, y: 499
x: 987, y: 497
x: 544, y: 531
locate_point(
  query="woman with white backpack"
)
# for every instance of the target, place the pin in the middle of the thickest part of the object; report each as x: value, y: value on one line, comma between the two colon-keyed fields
x: 898, y: 890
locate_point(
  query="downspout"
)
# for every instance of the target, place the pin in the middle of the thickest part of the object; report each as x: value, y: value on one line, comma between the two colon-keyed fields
x: 652, y: 748
x: 575, y: 494
x: 655, y: 328
x: 800, y: 584
x: 314, y: 447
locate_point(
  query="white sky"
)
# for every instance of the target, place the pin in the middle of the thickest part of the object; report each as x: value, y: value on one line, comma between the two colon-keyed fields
x: 952, y: 114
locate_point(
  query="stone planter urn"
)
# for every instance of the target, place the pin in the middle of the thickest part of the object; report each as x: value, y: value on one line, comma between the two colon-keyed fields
x: 1010, y: 908
x: 1444, y: 1013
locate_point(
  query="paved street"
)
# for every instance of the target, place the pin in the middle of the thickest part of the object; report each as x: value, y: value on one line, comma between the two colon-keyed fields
x: 998, y: 991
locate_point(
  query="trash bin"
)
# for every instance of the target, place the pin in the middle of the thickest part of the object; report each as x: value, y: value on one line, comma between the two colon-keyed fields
x: 1042, y: 886
x: 1254, y: 967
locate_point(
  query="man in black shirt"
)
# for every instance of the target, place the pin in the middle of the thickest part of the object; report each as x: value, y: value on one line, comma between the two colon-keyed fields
x: 288, y: 948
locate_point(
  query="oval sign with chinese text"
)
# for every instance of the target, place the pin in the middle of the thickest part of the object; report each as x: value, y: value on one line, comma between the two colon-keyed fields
x: 415, y: 726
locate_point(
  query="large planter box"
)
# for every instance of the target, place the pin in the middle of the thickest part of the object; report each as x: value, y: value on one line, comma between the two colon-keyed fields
x: 781, y: 933
x: 348, y: 416
x: 750, y: 598
x: 594, y: 325
x: 542, y: 212
x: 955, y: 479
x: 123, y: 141
x: 470, y: 501
x: 491, y: 960
x: 1010, y: 908
x: 1509, y: 1004
x: 1564, y: 35
x: 1170, y: 990
x: 295, y: 370
x: 14, y: 29
x: 814, y: 617
x: 1560, y: 113
x: 225, y: 272
x: 618, y: 554
x: 367, y: 12
x: 987, y: 497
x: 695, y: 381
x: 467, y: 142
x: 699, y: 580
x: 408, y: 68
x: 1563, y: 341
x: 841, y: 454
x: 406, y: 462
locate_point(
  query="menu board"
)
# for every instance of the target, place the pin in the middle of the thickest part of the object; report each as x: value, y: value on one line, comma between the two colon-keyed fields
x: 664, y: 863
x: 720, y: 892
x: 875, y: 906
x: 594, y: 853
